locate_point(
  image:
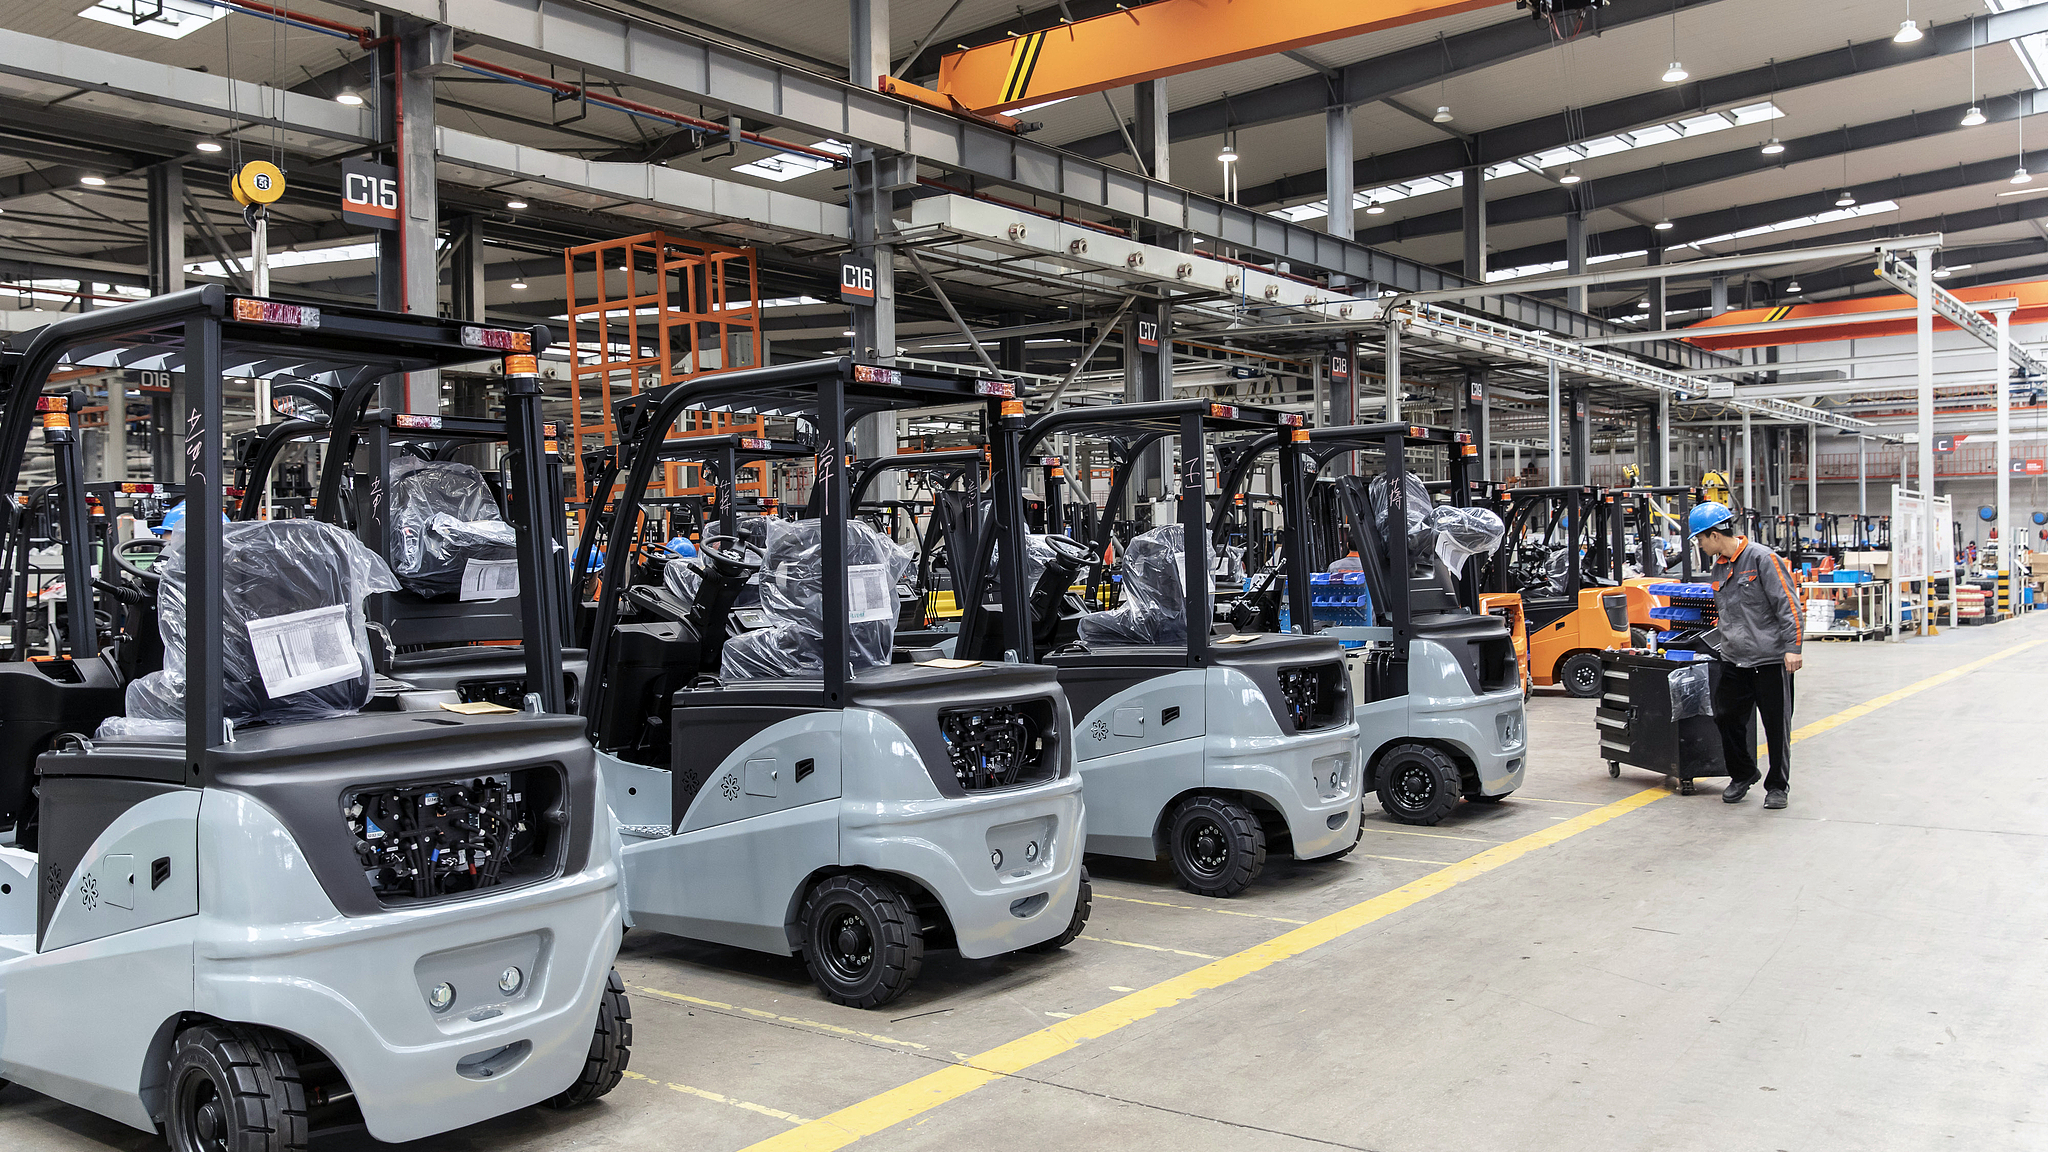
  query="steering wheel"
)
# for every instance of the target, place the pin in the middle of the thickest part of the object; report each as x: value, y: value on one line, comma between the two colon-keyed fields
x: 1071, y: 550
x: 152, y: 546
x: 733, y: 556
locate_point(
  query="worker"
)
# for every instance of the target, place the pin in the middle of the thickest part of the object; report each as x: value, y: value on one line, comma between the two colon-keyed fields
x: 1760, y: 640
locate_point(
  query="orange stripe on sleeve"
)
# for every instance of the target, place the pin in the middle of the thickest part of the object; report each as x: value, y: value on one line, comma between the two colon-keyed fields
x: 1779, y: 565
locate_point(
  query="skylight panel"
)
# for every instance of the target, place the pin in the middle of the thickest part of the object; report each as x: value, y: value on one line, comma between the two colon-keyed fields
x: 171, y: 19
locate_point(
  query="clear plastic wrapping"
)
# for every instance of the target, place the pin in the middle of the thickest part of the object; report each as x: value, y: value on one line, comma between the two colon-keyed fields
x: 443, y: 519
x: 1416, y: 510
x: 793, y: 600
x: 1691, y: 693
x: 296, y: 646
x: 1462, y: 533
x: 682, y: 579
x: 1154, y: 608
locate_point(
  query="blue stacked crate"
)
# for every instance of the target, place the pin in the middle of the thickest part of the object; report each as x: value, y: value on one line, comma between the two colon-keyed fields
x: 1340, y: 599
x: 1691, y: 610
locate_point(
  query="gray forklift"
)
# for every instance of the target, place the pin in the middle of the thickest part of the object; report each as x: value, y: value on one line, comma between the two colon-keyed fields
x: 296, y: 896
x: 818, y: 791
x: 1439, y: 698
x: 1209, y: 749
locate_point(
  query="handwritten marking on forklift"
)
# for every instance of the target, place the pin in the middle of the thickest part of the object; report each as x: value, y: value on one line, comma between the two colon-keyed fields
x: 882, y: 1112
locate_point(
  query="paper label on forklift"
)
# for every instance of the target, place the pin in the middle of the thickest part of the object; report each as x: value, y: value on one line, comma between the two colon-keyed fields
x: 490, y: 579
x: 304, y: 650
x: 1239, y: 638
x: 870, y: 595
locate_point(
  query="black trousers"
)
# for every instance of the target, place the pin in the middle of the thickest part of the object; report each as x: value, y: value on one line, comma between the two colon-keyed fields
x: 1768, y: 690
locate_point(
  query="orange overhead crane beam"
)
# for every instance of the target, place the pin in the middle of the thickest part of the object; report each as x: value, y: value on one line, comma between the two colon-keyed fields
x: 1164, y: 38
x: 2033, y: 309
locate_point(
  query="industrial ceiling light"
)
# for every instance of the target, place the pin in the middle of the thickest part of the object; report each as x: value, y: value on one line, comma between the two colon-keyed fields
x: 1443, y: 115
x: 1792, y: 289
x: 93, y: 181
x: 1375, y: 208
x: 2019, y: 176
x: 1973, y: 117
x: 1571, y: 176
x: 1908, y: 32
x: 1664, y: 225
x: 208, y: 146
x: 348, y: 96
x: 1773, y: 147
x: 1227, y: 156
x: 1676, y: 74
x: 1846, y: 200
x: 1941, y: 273
x: 515, y: 204
x: 518, y: 278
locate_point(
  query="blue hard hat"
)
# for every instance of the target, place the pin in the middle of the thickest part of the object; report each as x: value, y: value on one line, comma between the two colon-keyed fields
x: 682, y: 546
x: 1711, y: 514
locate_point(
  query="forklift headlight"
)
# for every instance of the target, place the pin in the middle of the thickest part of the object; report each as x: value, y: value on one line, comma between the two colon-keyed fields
x: 442, y: 997
x: 510, y: 979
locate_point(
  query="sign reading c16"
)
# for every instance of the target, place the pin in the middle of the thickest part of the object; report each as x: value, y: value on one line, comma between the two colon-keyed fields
x: 856, y: 282
x: 369, y: 194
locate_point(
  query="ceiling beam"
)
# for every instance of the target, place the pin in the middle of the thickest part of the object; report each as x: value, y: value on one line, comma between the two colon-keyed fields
x: 1645, y: 183
x: 1663, y: 105
x: 1377, y: 78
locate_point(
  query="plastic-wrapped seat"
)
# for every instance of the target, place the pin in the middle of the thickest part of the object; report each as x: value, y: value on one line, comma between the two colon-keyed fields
x: 443, y: 519
x: 1154, y: 608
x: 295, y: 643
x: 792, y: 646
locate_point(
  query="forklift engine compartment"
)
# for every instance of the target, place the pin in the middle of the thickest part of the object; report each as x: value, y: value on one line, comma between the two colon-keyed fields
x: 1003, y: 746
x: 423, y: 841
x: 1315, y: 696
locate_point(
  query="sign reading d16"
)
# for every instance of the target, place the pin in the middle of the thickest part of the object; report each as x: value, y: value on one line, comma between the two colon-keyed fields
x: 369, y: 194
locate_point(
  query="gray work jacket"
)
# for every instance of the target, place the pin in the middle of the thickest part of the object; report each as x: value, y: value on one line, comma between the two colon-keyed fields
x: 1759, y: 607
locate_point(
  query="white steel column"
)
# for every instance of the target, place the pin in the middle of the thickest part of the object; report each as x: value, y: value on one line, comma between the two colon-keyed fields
x: 1664, y: 469
x: 1748, y: 465
x: 1923, y: 261
x: 1556, y: 431
x: 1394, y: 369
x: 1862, y: 476
x: 1337, y: 170
x: 2001, y: 378
x: 1813, y: 469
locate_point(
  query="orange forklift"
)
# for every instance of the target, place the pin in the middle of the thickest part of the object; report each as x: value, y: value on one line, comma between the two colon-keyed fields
x: 1643, y: 512
x: 1556, y: 556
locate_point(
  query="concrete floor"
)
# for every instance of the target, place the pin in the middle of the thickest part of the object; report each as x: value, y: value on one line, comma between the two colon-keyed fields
x: 1862, y: 971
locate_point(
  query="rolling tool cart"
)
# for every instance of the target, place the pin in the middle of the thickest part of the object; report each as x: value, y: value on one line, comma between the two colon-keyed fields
x: 814, y: 796
x: 1646, y: 721
x: 1206, y: 749
x: 272, y: 892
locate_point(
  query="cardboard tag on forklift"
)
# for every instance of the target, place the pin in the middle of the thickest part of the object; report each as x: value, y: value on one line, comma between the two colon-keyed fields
x: 1239, y: 638
x: 479, y: 708
x: 948, y: 662
x: 301, y: 651
x: 490, y: 579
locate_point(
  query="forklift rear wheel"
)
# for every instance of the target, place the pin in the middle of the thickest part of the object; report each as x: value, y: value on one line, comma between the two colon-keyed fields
x: 1418, y: 784
x: 1217, y: 845
x: 1580, y: 674
x: 611, y: 1046
x: 235, y: 1089
x: 1084, y: 902
x: 863, y: 942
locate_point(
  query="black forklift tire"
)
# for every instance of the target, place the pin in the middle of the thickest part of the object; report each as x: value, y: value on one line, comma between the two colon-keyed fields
x: 1217, y: 846
x: 234, y: 1088
x: 1580, y: 674
x: 1084, y: 903
x: 863, y: 942
x: 1418, y: 784
x: 611, y: 1048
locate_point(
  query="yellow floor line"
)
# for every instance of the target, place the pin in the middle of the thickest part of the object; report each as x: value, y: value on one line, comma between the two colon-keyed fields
x: 1195, y: 908
x: 717, y: 1098
x: 1146, y: 947
x: 1408, y: 859
x: 796, y: 1020
x: 1431, y: 835
x: 888, y: 1109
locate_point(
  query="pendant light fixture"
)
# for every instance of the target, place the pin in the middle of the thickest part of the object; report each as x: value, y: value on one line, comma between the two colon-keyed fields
x: 1773, y: 147
x: 1571, y: 176
x: 1792, y: 289
x: 1908, y: 32
x: 1847, y: 199
x: 1975, y: 116
x: 1676, y: 73
x: 2021, y: 175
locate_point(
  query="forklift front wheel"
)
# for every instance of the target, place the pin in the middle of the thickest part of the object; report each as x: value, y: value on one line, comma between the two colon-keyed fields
x: 611, y: 1047
x: 1580, y: 674
x: 863, y: 942
x: 1084, y: 902
x: 1217, y: 845
x: 1418, y: 784
x: 235, y: 1089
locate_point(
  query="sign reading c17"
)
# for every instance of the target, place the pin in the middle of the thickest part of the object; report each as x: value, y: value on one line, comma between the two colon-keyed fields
x: 369, y: 194
x: 856, y: 282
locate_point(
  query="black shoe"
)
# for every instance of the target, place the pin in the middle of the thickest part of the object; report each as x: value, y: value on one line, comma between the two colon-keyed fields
x: 1775, y: 798
x: 1734, y: 793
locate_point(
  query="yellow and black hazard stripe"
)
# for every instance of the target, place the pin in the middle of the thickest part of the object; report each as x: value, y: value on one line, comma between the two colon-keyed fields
x: 1023, y: 61
x: 1778, y: 313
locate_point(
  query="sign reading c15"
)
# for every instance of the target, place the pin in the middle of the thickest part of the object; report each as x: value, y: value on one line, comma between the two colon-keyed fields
x: 369, y: 194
